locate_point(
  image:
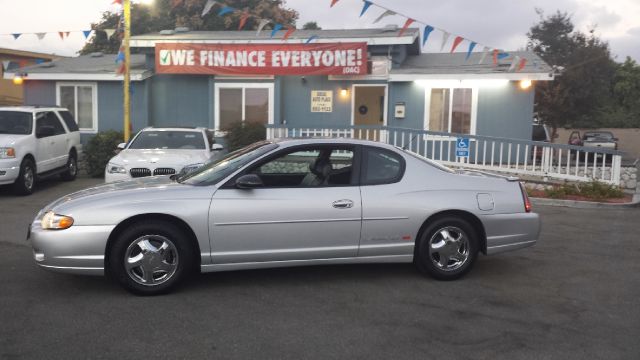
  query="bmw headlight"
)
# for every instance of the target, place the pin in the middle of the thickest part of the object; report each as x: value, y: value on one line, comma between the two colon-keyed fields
x: 7, y: 153
x: 116, y: 169
x: 53, y: 221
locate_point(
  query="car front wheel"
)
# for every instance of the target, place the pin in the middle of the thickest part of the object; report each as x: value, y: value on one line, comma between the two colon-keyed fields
x: 447, y: 248
x: 26, y: 180
x: 150, y: 258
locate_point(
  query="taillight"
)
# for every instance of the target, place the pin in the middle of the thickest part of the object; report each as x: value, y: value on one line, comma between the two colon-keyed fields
x: 525, y: 198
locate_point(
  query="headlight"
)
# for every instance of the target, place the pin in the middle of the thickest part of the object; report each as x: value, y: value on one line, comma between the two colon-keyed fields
x: 116, y: 169
x: 190, y: 168
x: 7, y: 153
x: 53, y: 221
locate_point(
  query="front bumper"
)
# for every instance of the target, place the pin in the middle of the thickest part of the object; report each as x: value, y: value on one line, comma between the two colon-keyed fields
x: 507, y: 232
x: 9, y: 171
x: 77, y: 250
x: 108, y: 177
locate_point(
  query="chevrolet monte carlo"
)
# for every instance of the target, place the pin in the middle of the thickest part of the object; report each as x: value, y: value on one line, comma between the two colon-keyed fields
x: 286, y: 203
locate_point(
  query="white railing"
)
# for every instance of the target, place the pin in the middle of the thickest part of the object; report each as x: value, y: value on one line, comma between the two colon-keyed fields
x: 513, y: 156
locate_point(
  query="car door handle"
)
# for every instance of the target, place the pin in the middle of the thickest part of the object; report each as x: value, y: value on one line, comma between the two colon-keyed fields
x: 342, y: 204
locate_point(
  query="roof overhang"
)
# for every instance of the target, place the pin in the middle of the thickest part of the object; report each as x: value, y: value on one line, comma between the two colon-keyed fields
x: 493, y: 76
x: 78, y: 77
x: 394, y: 40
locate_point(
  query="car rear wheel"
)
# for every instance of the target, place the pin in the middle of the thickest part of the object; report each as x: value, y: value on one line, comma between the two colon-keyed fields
x: 447, y: 248
x: 26, y: 180
x: 71, y: 168
x: 150, y: 258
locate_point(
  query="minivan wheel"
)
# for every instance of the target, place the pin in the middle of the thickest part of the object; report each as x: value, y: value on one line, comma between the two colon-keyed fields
x: 26, y: 180
x: 447, y: 248
x: 150, y: 258
x: 71, y: 170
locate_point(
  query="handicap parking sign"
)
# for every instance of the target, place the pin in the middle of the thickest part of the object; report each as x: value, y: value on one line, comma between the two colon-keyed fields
x: 462, y: 147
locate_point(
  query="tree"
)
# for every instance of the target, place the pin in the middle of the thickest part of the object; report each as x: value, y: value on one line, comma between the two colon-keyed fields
x: 311, y: 25
x: 168, y: 14
x: 583, y: 88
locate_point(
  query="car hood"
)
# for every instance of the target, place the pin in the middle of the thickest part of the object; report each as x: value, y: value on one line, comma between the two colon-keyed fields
x: 7, y: 140
x: 131, y: 158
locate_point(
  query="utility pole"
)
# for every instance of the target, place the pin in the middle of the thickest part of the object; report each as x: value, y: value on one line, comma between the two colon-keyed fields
x: 127, y: 70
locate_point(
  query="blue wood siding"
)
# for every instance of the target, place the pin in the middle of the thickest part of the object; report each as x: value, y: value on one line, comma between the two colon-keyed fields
x: 412, y: 95
x: 505, y: 112
x: 111, y: 111
x: 181, y: 100
x: 39, y: 92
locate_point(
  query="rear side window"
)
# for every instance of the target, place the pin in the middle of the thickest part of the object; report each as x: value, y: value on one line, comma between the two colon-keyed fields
x: 381, y: 166
x: 69, y: 121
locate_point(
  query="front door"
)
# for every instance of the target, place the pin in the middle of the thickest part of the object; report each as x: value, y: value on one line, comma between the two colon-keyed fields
x: 308, y: 208
x: 50, y: 145
x: 369, y: 108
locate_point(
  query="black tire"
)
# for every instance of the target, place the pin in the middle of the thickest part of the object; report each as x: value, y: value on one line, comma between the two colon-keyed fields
x: 178, y: 255
x: 430, y: 262
x: 26, y: 181
x: 71, y: 170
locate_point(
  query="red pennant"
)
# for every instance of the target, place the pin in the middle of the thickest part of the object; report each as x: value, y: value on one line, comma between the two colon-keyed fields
x: 521, y: 65
x: 333, y: 2
x: 243, y: 19
x: 119, y: 2
x: 61, y: 33
x: 290, y: 31
x: 23, y: 63
x: 456, y: 42
x: 405, y: 26
x: 495, y: 57
x: 120, y: 69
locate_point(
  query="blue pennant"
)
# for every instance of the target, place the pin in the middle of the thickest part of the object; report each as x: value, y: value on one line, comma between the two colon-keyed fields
x: 427, y: 31
x: 86, y: 33
x: 275, y: 30
x: 311, y: 38
x: 16, y: 35
x: 225, y: 10
x: 471, y: 47
x: 503, y: 55
x: 365, y: 7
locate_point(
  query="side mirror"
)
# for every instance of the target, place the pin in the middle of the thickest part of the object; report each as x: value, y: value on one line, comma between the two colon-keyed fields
x: 217, y: 147
x: 45, y: 131
x: 249, y: 181
x: 121, y: 146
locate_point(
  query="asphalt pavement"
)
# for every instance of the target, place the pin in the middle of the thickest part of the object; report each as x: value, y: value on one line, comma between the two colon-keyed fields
x: 576, y: 295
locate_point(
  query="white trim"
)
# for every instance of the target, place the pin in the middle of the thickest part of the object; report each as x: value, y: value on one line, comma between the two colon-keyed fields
x: 241, y: 77
x: 391, y: 40
x: 461, y: 77
x: 386, y: 100
x: 474, y: 107
x: 94, y: 100
x: 243, y: 86
x: 79, y: 77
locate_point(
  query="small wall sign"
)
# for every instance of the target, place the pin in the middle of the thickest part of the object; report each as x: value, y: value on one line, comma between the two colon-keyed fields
x: 400, y: 110
x: 321, y: 101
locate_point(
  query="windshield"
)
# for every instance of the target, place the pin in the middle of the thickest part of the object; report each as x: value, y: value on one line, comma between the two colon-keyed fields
x: 184, y: 140
x: 213, y: 172
x: 598, y: 135
x: 15, y: 122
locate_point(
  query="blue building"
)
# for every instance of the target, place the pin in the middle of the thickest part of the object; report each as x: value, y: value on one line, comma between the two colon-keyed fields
x: 396, y: 86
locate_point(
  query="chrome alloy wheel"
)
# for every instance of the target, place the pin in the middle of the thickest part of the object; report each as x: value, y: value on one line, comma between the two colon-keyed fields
x: 72, y: 167
x: 449, y: 248
x: 28, y: 177
x: 151, y: 260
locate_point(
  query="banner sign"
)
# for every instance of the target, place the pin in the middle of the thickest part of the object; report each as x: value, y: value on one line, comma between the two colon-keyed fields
x: 321, y: 101
x: 262, y: 59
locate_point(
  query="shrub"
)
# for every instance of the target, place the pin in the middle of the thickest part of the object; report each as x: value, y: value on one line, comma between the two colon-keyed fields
x: 593, y: 190
x: 100, y: 149
x: 242, y: 134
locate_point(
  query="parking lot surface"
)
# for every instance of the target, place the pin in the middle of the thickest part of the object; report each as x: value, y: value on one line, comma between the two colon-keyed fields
x: 576, y: 295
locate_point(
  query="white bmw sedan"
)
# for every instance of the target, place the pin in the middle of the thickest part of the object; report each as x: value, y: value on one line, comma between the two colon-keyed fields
x: 162, y: 151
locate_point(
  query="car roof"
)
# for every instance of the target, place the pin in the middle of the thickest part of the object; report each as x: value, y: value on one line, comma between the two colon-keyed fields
x: 174, y: 128
x: 31, y: 108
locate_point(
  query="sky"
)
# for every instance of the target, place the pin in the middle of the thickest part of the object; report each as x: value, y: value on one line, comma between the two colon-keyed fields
x: 495, y: 23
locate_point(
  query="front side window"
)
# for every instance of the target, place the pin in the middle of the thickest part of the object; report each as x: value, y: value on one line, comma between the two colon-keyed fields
x: 16, y: 122
x: 80, y: 99
x: 180, y: 140
x: 381, y: 166
x: 309, y: 167
x: 450, y: 110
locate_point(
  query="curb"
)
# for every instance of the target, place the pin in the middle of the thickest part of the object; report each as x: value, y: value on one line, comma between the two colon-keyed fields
x: 584, y: 204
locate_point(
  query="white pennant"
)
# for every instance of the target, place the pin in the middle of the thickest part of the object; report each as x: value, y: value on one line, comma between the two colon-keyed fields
x: 208, y: 7
x: 485, y: 52
x: 445, y: 38
x: 261, y: 26
x: 384, y: 15
x: 41, y: 35
x: 109, y: 32
x: 5, y: 65
x: 514, y: 63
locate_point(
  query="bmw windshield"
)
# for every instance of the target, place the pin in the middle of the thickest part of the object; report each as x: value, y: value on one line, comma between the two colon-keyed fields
x: 214, y: 172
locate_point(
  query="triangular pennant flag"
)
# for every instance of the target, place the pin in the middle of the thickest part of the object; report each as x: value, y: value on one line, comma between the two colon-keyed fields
x: 120, y: 70
x: 120, y: 56
x: 514, y: 63
x: 23, y: 63
x: 427, y: 31
x: 16, y: 36
x: 61, y: 34
x: 41, y: 35
x: 263, y: 23
x: 384, y: 15
x: 333, y: 2
x: 225, y: 10
x: 39, y: 61
x: 243, y: 19
x: 521, y: 65
x: 366, y: 6
x: 207, y: 7
x: 117, y: 2
x: 5, y: 64
x: 86, y: 33
x: 456, y: 42
x: 276, y: 28
x: 445, y: 38
x: 495, y: 57
x: 290, y: 31
x: 485, y: 52
x: 502, y: 55
x: 405, y: 26
x: 109, y: 32
x: 66, y: 33
x: 311, y: 38
x: 470, y: 50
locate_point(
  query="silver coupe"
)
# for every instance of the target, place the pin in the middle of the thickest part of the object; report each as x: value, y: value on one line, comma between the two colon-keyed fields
x: 286, y: 203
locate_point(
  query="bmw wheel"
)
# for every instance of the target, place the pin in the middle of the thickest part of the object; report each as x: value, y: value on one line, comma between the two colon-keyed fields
x: 447, y: 248
x: 150, y: 258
